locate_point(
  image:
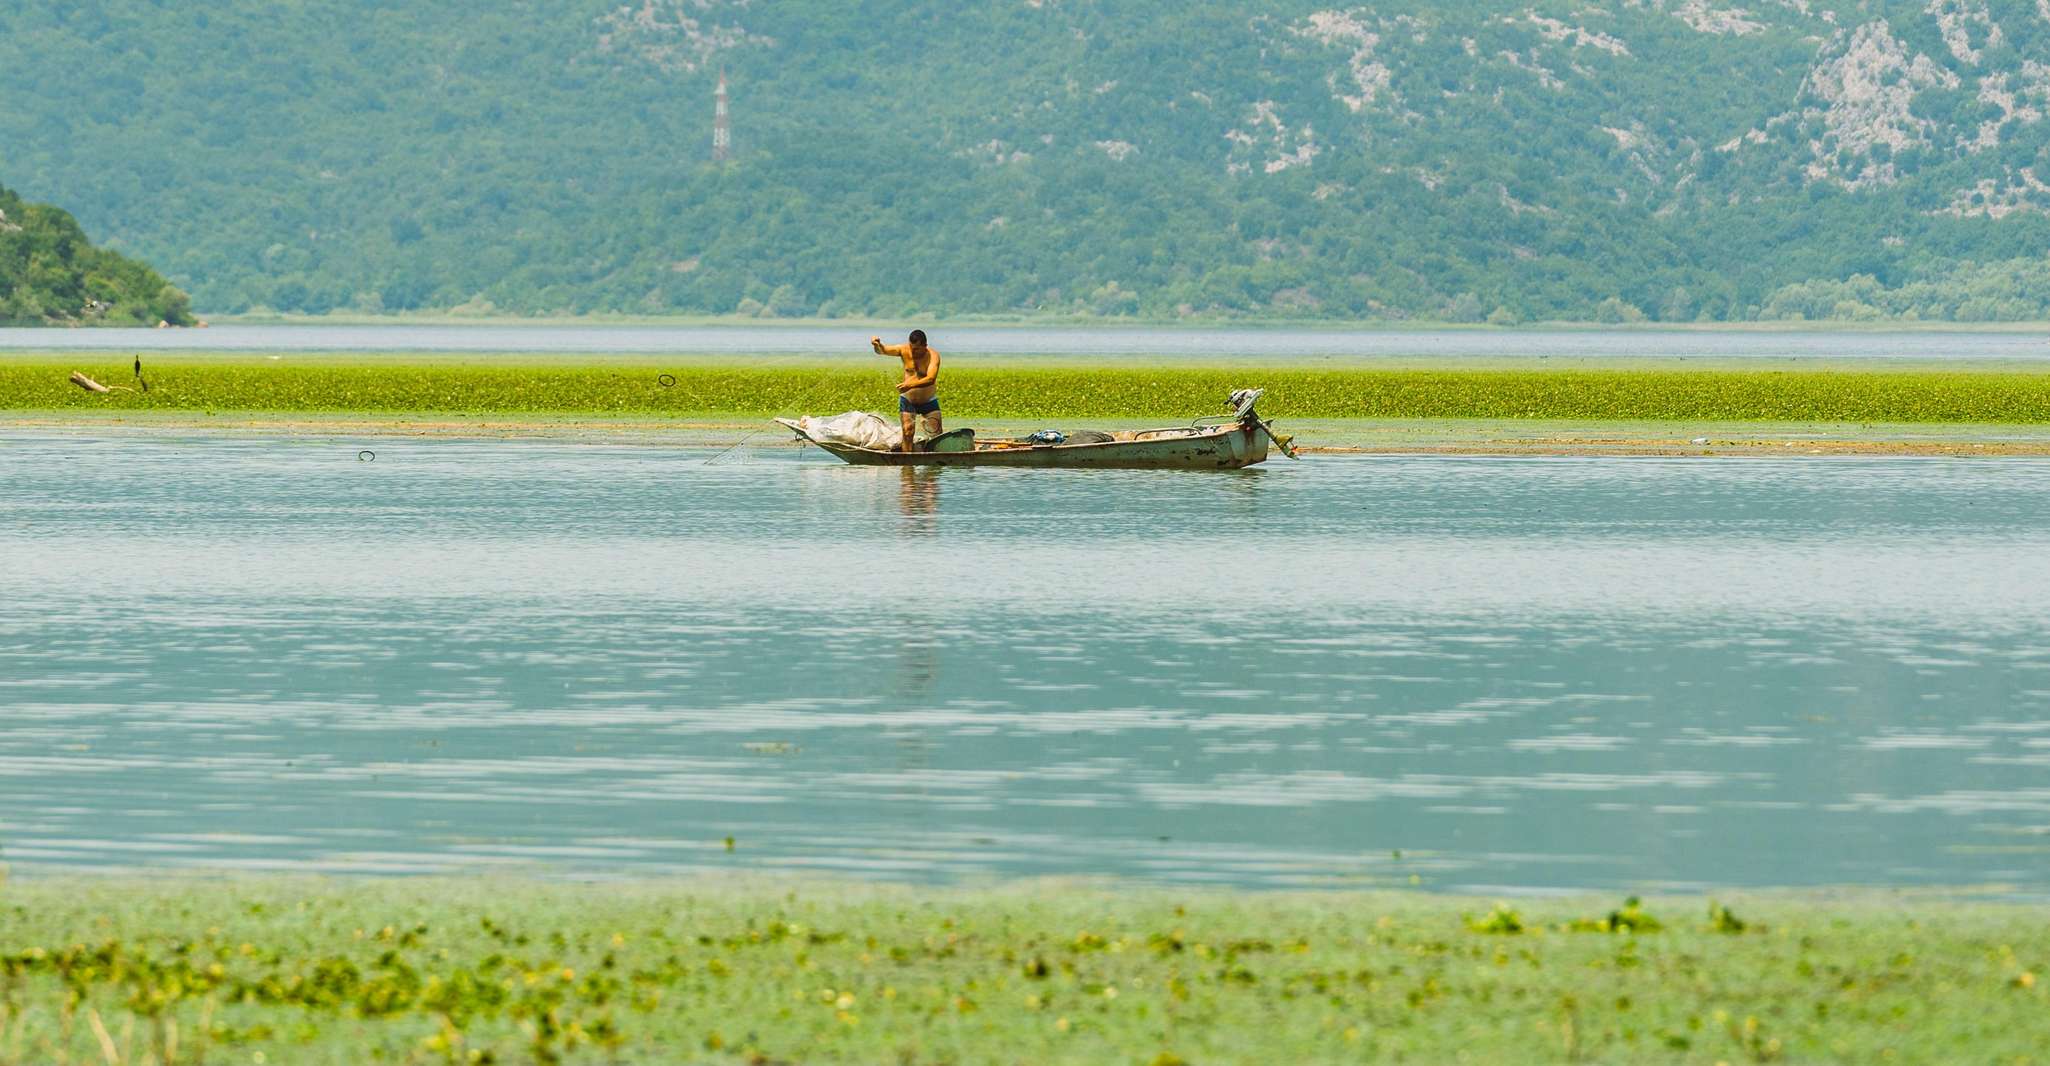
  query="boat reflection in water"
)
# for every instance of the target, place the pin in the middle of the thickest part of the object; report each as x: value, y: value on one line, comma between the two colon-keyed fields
x: 918, y: 499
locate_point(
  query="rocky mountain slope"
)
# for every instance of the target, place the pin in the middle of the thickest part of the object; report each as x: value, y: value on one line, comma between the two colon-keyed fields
x: 1619, y: 159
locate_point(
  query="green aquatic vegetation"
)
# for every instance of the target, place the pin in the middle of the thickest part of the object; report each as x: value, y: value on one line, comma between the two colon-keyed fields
x: 1723, y: 920
x: 511, y: 971
x: 1503, y: 920
x: 1645, y: 394
x: 1629, y: 918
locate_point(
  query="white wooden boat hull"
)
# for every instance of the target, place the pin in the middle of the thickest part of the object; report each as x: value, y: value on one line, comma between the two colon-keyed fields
x: 1219, y: 448
x: 1239, y: 442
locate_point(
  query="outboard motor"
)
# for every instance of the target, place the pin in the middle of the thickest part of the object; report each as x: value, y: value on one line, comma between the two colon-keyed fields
x: 1242, y: 401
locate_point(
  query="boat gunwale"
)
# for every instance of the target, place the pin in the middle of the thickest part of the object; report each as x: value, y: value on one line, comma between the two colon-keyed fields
x: 1188, y: 433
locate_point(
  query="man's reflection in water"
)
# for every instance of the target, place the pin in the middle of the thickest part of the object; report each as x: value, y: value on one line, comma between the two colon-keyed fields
x: 918, y: 671
x: 918, y: 655
x: 918, y: 498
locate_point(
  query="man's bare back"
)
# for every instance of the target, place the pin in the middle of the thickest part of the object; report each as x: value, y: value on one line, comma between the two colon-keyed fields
x: 918, y: 393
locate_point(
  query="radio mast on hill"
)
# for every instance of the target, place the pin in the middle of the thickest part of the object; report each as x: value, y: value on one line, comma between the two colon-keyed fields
x: 722, y: 131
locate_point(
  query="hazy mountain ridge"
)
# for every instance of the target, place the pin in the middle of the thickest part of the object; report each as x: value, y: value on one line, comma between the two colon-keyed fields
x: 1676, y: 159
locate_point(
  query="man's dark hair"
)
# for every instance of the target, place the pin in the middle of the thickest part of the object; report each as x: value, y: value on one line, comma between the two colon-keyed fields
x: 918, y: 336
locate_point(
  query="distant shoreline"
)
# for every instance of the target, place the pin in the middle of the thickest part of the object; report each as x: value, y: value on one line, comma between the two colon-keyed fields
x: 1446, y: 407
x: 442, y: 318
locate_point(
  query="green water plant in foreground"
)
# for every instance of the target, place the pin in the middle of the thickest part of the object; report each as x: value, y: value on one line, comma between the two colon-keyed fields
x: 1896, y: 396
x: 300, y: 971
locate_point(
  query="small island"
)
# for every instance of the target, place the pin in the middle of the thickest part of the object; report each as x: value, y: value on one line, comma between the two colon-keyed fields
x: 51, y: 275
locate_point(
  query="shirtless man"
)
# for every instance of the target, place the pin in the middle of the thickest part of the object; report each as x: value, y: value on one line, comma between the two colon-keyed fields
x: 916, y: 394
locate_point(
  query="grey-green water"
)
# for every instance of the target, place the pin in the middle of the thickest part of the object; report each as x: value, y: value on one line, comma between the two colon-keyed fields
x: 1231, y: 343
x: 1529, y: 673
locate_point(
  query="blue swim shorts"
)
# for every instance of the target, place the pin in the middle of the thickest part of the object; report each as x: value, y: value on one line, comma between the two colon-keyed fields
x: 918, y: 407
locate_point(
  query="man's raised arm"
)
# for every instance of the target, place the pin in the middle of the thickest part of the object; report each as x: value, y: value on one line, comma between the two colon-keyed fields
x: 897, y: 350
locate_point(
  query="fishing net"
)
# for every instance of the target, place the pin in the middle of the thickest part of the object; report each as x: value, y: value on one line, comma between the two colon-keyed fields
x: 858, y: 428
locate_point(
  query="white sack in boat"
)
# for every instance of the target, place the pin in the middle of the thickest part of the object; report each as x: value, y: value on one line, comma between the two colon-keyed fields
x: 859, y: 428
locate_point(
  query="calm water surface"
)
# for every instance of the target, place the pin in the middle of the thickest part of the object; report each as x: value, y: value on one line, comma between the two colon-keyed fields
x: 1515, y: 673
x: 1236, y: 343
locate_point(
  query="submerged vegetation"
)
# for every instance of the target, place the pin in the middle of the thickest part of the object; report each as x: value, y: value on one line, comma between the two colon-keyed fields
x: 1923, y: 396
x: 467, y: 972
x: 50, y: 274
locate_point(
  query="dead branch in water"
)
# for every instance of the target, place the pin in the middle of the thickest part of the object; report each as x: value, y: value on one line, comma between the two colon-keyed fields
x: 79, y: 379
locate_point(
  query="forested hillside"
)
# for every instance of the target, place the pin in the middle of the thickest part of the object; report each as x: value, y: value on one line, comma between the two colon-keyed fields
x: 50, y: 274
x: 1609, y: 160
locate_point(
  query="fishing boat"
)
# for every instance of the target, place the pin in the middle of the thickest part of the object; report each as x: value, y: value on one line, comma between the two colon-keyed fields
x: 1215, y: 442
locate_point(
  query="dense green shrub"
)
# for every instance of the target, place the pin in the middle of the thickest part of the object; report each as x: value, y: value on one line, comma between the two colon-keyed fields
x: 50, y: 274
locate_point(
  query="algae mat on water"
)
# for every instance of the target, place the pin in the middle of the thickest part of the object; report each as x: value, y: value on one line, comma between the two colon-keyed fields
x: 304, y: 971
x: 1654, y: 394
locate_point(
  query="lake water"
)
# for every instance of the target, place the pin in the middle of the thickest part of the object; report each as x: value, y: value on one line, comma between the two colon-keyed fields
x: 1485, y: 674
x: 1236, y: 343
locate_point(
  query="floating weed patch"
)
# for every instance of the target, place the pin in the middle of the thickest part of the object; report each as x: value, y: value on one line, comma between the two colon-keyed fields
x: 1629, y: 918
x: 1505, y: 920
x: 1174, y: 393
x: 1723, y: 920
x: 1502, y: 921
x: 518, y: 972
